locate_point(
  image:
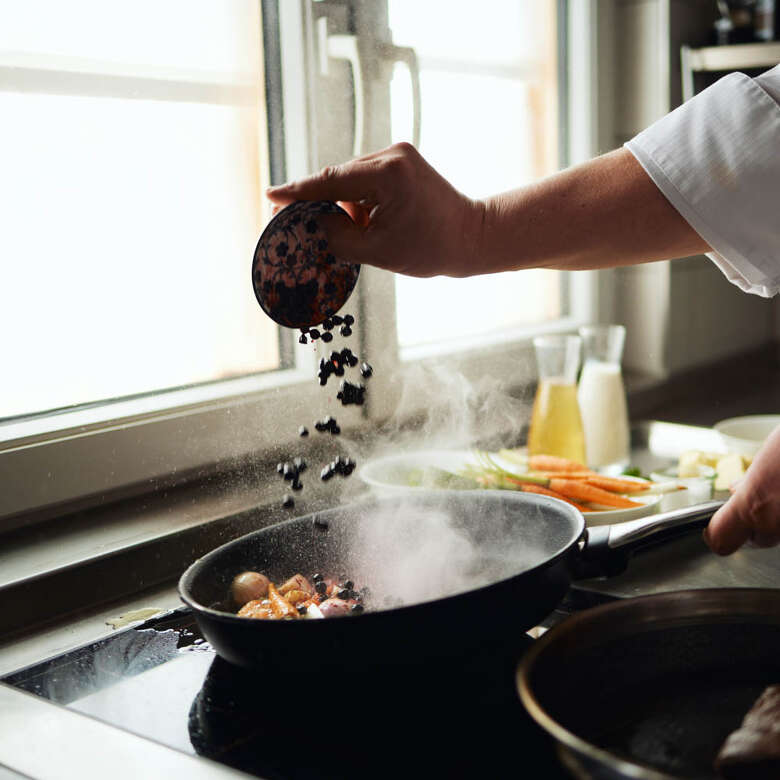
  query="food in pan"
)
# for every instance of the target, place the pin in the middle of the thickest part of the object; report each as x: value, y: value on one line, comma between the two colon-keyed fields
x: 257, y: 597
x: 753, y: 750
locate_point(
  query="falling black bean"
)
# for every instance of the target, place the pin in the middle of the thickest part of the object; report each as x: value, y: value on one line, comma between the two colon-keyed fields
x: 288, y: 502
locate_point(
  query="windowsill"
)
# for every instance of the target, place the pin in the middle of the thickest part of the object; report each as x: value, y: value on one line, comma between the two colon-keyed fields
x: 59, y: 573
x: 81, y: 419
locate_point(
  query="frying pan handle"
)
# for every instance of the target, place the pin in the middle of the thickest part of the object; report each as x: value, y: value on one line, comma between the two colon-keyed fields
x: 609, y: 546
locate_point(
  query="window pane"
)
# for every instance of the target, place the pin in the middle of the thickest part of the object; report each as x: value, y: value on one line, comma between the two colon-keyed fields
x: 129, y: 222
x: 488, y: 81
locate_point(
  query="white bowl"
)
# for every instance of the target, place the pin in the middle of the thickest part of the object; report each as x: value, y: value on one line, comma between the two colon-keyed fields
x: 745, y: 435
x: 400, y: 471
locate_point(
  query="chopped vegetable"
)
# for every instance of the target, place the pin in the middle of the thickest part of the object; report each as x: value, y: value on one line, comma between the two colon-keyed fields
x: 615, y: 485
x: 582, y: 491
x: 545, y: 492
x: 553, y: 463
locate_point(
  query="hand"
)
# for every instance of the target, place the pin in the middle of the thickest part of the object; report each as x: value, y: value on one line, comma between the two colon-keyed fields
x: 752, y: 514
x: 406, y: 217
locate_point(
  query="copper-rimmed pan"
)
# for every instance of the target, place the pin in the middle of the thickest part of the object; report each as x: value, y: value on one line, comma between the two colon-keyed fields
x: 525, y: 551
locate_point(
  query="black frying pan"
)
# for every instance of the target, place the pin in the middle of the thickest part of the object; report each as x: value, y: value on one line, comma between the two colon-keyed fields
x: 651, y: 687
x: 496, y: 566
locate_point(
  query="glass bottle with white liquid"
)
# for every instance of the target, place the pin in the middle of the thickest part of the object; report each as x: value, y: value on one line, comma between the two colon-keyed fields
x: 602, y: 396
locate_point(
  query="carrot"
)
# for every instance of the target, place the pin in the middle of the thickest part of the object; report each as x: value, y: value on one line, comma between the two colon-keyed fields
x: 553, y: 463
x: 565, y: 474
x: 545, y: 492
x: 582, y: 491
x: 615, y: 485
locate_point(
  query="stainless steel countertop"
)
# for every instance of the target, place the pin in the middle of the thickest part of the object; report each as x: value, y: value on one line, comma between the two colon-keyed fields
x: 685, y: 562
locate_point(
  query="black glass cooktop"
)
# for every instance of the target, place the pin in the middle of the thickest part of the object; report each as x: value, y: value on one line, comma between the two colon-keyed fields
x: 459, y: 718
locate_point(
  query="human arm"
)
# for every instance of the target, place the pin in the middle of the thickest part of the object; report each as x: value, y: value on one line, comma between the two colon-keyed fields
x: 409, y: 219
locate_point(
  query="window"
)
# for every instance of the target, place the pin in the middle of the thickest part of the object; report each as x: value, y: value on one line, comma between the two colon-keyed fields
x: 490, y: 88
x: 133, y: 166
x: 136, y: 142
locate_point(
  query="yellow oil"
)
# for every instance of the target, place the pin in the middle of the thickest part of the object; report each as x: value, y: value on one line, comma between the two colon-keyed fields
x: 556, y: 425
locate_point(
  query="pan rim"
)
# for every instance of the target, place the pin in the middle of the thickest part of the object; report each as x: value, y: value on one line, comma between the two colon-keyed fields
x: 439, y: 495
x: 666, y: 600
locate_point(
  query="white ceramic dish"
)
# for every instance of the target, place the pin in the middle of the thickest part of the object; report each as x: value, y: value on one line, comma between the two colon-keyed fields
x: 697, y: 489
x: 649, y: 505
x: 745, y: 435
x: 400, y: 472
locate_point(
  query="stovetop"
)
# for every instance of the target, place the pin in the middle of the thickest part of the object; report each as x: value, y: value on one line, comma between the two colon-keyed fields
x: 161, y: 680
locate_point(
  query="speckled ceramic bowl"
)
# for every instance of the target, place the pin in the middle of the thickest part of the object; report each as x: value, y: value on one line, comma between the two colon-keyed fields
x: 297, y: 281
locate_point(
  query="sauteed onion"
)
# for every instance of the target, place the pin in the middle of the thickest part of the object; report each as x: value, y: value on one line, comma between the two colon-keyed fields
x: 257, y: 597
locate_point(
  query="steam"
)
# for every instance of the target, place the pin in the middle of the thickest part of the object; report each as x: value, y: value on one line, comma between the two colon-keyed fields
x: 407, y: 552
x: 452, y: 412
x: 410, y: 553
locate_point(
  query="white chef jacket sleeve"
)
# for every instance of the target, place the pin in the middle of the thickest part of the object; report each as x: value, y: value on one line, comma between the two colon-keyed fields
x: 716, y: 158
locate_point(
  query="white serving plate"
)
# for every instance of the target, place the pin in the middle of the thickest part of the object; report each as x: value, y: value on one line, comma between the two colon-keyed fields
x: 698, y: 489
x: 745, y: 435
x: 391, y: 474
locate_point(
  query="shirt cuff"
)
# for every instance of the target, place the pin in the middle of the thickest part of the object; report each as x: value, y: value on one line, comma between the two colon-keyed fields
x: 716, y: 159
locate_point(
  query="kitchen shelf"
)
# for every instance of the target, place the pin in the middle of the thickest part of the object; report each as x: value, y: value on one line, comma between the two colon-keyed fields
x: 725, y: 58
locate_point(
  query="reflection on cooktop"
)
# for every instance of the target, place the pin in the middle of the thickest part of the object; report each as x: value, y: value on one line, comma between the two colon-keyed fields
x: 459, y: 718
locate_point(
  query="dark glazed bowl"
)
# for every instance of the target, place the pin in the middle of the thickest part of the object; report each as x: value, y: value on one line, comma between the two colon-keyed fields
x: 297, y: 281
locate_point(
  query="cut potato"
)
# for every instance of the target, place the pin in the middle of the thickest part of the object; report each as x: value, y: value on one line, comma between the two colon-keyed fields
x: 691, y: 462
x: 730, y: 468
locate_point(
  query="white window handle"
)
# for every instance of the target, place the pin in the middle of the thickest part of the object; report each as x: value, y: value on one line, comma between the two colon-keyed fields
x: 408, y: 56
x: 345, y: 47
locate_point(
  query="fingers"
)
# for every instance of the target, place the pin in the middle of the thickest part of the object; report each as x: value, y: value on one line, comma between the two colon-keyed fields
x: 349, y: 241
x: 354, y: 181
x: 728, y: 529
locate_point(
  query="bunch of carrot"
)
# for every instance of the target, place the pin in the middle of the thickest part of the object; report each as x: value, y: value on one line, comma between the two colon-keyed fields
x: 564, y: 479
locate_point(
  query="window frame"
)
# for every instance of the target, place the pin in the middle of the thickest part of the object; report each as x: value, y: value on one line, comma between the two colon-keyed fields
x: 89, y: 455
